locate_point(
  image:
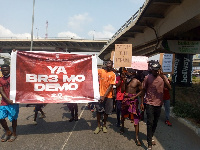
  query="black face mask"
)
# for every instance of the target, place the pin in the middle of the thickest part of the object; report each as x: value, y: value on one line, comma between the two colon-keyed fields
x: 7, y: 76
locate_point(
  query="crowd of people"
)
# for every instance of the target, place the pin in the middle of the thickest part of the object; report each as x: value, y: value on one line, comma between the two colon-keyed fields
x: 149, y: 89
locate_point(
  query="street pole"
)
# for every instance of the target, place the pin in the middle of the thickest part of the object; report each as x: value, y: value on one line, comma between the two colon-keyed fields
x: 37, y: 32
x: 93, y: 34
x: 32, y: 27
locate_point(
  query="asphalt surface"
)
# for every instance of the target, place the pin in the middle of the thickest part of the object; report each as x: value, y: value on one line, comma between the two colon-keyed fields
x: 55, y: 132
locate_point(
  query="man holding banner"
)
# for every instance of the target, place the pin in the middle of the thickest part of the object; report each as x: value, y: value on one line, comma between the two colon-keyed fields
x: 105, y: 105
x: 7, y: 108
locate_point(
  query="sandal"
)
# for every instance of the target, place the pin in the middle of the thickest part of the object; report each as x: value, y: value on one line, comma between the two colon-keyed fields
x: 5, y: 138
x: 12, y: 138
x: 137, y: 142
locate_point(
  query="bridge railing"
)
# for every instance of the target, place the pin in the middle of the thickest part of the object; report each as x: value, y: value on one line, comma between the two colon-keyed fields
x: 127, y: 24
x: 50, y: 38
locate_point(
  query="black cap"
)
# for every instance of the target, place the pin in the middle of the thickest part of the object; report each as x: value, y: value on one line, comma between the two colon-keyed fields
x: 155, y: 66
x: 131, y: 70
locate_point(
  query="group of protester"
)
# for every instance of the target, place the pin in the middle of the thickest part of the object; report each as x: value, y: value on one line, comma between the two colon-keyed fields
x: 130, y: 88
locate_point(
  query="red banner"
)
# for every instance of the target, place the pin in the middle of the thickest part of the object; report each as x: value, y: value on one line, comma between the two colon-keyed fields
x: 46, y: 77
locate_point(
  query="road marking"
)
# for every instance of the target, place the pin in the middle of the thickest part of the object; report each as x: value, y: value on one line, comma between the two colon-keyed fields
x: 65, y: 143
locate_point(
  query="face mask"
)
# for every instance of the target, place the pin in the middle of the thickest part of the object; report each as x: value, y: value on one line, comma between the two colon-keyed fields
x: 7, y: 76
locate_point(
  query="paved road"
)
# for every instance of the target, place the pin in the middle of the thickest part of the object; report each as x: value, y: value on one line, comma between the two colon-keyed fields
x: 55, y: 133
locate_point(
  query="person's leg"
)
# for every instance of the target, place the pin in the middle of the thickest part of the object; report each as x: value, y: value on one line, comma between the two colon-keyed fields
x: 42, y: 114
x: 35, y: 115
x: 98, y: 119
x: 122, y: 122
x: 137, y: 141
x: 150, y: 118
x: 5, y: 126
x: 167, y: 109
x: 105, y: 119
x: 14, y: 127
x: 92, y: 107
x: 118, y: 109
x: 76, y: 111
x: 98, y: 129
x: 157, y: 111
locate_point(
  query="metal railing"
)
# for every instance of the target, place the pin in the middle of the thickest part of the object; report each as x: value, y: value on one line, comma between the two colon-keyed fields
x: 127, y: 24
x: 51, y: 38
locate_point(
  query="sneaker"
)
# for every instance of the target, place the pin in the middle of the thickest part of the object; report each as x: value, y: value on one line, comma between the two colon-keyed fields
x: 42, y: 116
x: 35, y: 122
x: 97, y: 130
x: 105, y: 130
x: 168, y: 123
x: 76, y: 118
x: 72, y: 119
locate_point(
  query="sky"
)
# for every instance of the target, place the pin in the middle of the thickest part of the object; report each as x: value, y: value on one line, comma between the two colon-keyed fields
x: 85, y: 19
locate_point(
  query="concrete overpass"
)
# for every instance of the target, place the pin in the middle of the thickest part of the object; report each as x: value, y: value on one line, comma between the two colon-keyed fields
x: 155, y: 22
x: 68, y: 45
x: 64, y: 45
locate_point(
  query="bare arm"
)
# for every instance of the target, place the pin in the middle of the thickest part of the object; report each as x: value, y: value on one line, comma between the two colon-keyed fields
x: 119, y: 82
x: 139, y: 93
x: 5, y: 97
x: 167, y: 84
x: 108, y: 90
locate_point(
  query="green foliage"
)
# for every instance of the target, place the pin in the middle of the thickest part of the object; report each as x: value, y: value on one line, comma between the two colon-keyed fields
x: 194, y: 77
x: 186, y: 110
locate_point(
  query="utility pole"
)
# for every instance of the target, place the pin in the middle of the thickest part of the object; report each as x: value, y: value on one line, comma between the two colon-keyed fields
x: 93, y: 34
x: 32, y: 27
x: 37, y: 33
x: 46, y: 35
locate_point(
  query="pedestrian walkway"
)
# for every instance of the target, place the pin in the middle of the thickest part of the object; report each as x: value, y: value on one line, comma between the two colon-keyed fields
x: 55, y: 132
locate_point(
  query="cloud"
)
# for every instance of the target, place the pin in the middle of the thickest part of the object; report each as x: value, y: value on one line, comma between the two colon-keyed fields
x: 77, y: 22
x: 68, y: 34
x: 108, y: 32
x: 6, y: 33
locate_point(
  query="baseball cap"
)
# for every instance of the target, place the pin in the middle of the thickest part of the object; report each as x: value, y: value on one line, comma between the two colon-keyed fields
x: 155, y: 66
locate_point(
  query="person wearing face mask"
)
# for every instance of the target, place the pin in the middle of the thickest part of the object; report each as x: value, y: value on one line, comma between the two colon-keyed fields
x: 7, y: 108
x: 153, y: 87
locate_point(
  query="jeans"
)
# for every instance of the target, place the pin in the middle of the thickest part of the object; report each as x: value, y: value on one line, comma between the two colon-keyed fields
x: 167, y: 109
x: 153, y: 114
x: 118, y: 109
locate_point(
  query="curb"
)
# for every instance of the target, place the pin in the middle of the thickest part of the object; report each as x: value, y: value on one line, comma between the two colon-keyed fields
x: 186, y: 122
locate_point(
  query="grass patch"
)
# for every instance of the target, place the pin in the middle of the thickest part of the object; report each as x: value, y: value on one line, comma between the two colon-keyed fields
x: 187, y: 102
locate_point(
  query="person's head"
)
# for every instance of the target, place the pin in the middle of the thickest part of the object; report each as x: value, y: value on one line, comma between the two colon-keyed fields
x: 155, y: 67
x: 122, y: 72
x: 109, y: 65
x: 5, y: 69
x: 131, y: 73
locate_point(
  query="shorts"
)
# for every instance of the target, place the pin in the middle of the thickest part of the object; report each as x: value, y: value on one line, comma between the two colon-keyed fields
x: 38, y: 107
x: 105, y: 107
x: 10, y: 111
